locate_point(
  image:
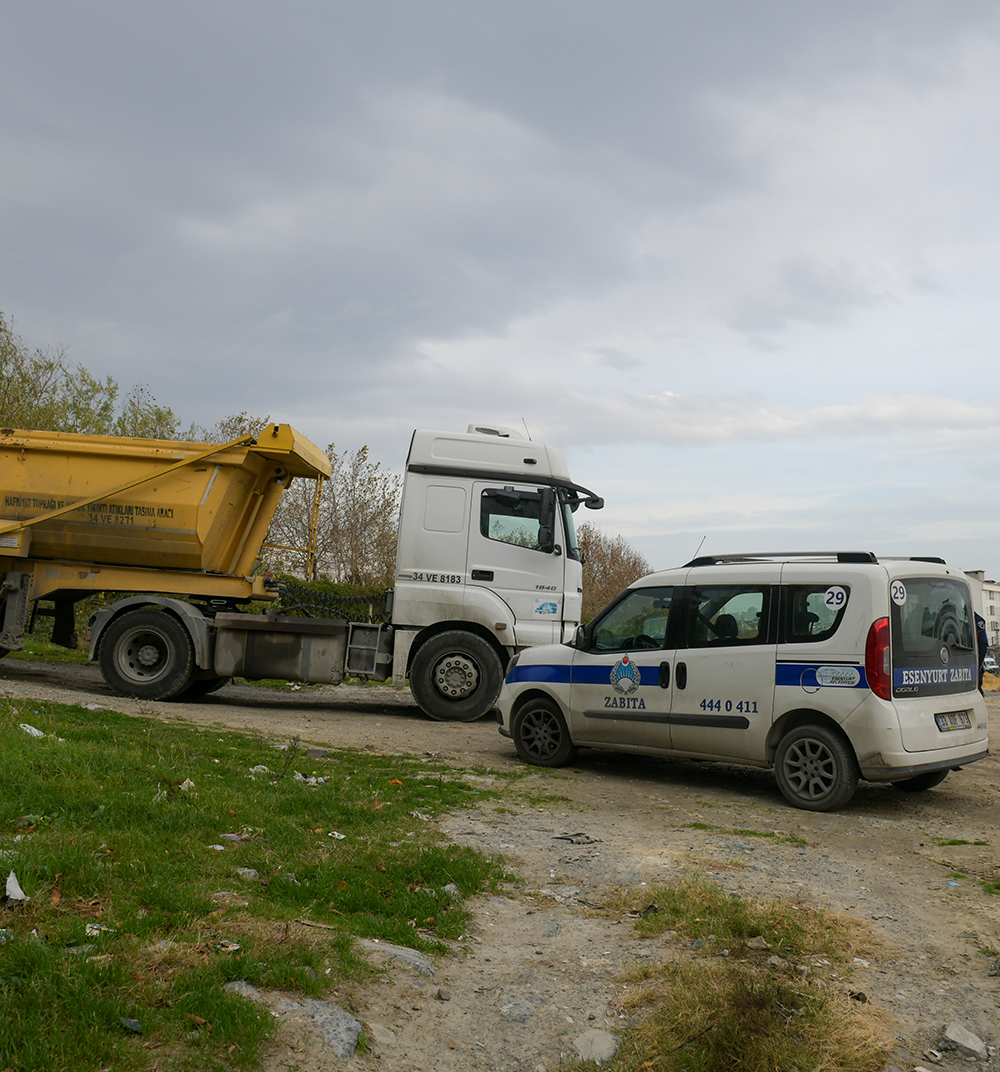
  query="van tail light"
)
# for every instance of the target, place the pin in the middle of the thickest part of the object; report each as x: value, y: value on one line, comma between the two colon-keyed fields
x: 877, y: 659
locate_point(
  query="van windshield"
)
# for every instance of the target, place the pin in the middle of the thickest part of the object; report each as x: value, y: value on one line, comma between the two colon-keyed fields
x: 933, y: 637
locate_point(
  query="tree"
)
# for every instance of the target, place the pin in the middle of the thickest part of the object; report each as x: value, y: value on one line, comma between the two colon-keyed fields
x: 610, y: 564
x: 38, y: 390
x: 358, y: 517
x: 231, y: 427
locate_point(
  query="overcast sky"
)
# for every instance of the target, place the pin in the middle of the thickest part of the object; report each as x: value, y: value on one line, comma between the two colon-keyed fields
x: 739, y: 261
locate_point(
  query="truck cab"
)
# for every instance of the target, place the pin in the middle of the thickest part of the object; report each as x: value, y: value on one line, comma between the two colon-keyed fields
x: 487, y: 563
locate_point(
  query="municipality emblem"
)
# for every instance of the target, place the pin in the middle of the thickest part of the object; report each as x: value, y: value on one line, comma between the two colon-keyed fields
x: 625, y: 676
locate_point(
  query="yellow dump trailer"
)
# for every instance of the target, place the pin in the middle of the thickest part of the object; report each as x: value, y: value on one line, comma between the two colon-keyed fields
x: 82, y: 513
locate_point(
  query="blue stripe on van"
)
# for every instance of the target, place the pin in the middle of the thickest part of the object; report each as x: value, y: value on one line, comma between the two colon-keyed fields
x: 804, y: 675
x: 564, y: 673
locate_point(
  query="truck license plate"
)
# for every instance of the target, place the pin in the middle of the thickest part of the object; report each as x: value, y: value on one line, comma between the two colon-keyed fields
x: 953, y: 720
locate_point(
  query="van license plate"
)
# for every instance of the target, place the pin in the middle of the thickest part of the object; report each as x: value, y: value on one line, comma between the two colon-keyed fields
x: 953, y: 720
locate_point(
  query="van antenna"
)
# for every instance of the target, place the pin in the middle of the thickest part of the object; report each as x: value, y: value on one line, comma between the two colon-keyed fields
x: 703, y: 539
x: 526, y: 432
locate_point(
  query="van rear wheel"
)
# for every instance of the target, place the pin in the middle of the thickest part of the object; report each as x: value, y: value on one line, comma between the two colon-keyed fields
x: 816, y: 768
x: 456, y: 676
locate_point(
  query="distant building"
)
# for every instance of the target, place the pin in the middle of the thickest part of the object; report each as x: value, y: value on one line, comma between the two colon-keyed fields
x: 986, y: 597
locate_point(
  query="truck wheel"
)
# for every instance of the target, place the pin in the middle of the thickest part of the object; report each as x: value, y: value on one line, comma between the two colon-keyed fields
x: 203, y: 687
x: 919, y: 782
x: 147, y: 654
x: 816, y: 768
x: 541, y: 736
x: 456, y: 676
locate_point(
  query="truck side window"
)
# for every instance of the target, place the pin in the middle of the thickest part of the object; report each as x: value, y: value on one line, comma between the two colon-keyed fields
x: 727, y: 615
x: 511, y: 517
x: 813, y: 612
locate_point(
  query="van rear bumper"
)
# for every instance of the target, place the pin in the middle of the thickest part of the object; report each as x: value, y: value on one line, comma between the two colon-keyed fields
x: 875, y: 768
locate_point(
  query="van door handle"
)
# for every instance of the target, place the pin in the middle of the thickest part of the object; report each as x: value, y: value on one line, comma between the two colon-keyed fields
x: 664, y: 675
x: 482, y: 575
x: 681, y: 676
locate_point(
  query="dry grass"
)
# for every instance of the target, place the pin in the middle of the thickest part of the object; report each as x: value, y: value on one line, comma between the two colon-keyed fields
x: 725, y: 1000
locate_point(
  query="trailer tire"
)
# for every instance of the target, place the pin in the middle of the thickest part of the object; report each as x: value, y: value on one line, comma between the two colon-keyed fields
x: 456, y: 676
x: 147, y: 654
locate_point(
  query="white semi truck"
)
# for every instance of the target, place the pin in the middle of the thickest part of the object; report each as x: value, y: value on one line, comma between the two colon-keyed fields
x: 487, y: 561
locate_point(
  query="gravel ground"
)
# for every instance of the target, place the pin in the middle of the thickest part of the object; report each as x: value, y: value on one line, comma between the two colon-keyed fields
x: 538, y: 974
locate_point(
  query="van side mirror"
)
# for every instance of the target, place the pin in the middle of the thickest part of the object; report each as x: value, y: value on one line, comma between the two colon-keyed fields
x: 580, y: 640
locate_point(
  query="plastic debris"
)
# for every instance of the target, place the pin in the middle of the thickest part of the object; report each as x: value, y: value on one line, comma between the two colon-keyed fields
x: 186, y: 785
x: 226, y: 946
x: 14, y: 891
x: 249, y: 873
x: 422, y: 816
x: 134, y: 1026
x: 5, y: 936
x: 218, y: 848
x: 579, y: 838
x: 337, y: 834
x: 95, y: 930
x: 32, y: 732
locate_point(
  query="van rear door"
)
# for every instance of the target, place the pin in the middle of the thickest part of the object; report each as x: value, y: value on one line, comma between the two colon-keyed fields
x: 935, y: 664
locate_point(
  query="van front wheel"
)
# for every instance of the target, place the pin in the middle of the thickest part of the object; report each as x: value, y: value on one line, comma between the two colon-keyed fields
x: 456, y: 676
x: 816, y: 768
x: 541, y: 736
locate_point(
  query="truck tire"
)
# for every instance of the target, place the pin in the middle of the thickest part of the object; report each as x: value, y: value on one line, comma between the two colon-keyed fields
x: 541, y: 736
x: 203, y: 687
x: 147, y: 654
x: 816, y: 768
x: 919, y: 782
x: 456, y: 676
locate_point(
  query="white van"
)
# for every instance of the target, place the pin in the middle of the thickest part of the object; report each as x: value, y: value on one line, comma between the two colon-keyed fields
x: 826, y: 666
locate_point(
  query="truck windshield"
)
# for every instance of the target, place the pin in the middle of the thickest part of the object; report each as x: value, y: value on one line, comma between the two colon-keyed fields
x: 933, y: 638
x: 569, y: 508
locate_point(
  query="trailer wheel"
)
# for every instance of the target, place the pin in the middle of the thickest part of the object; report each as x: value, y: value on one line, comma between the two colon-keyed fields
x: 147, y: 654
x: 456, y: 676
x: 815, y: 768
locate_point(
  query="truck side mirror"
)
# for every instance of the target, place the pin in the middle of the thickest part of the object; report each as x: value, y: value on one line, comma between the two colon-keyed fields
x: 546, y: 521
x: 580, y: 640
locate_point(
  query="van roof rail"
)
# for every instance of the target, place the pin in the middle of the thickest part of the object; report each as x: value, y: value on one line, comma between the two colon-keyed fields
x: 867, y: 557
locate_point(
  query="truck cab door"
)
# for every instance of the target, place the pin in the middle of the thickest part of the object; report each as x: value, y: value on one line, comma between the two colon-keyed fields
x: 515, y: 550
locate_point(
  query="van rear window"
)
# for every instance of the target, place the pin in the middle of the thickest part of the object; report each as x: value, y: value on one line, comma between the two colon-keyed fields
x: 933, y: 637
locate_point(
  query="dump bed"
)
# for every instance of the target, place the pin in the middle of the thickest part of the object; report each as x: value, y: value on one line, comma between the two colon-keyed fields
x: 157, y: 504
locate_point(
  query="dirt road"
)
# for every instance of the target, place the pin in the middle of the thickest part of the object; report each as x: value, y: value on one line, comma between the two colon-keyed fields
x: 538, y: 971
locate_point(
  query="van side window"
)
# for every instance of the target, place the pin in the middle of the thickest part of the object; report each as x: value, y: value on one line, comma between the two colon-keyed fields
x: 637, y: 622
x: 727, y: 615
x: 511, y: 517
x: 813, y: 612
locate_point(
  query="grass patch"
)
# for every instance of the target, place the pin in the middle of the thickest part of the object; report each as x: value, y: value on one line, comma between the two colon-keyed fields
x: 113, y: 827
x: 36, y: 649
x: 737, y: 1012
x: 773, y: 835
